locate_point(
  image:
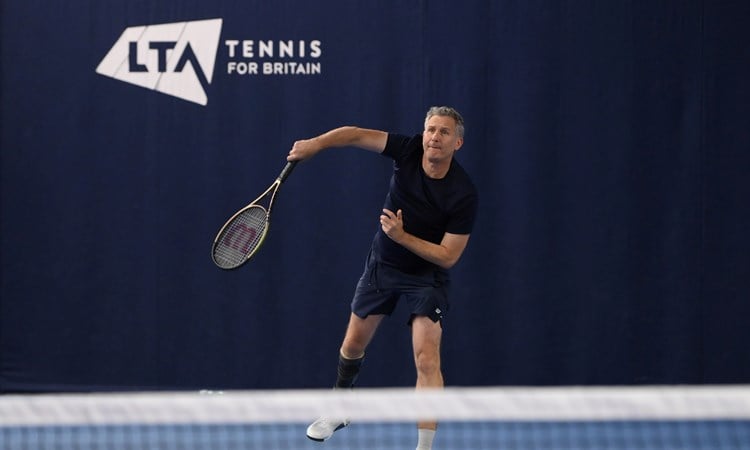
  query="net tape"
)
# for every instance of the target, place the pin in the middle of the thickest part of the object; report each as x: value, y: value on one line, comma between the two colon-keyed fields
x: 383, y: 405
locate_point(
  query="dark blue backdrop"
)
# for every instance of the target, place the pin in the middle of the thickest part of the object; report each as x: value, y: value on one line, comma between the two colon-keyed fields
x: 609, y: 142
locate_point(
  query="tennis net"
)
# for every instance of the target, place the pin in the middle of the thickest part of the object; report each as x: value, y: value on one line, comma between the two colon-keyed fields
x: 544, y: 418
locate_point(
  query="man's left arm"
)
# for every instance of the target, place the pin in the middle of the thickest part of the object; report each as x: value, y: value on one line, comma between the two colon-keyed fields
x: 445, y: 254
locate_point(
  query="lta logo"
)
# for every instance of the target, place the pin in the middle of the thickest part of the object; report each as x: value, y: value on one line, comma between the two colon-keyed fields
x: 174, y: 58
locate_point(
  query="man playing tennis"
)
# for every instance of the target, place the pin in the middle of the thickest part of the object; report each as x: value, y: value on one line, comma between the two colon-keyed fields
x: 424, y: 228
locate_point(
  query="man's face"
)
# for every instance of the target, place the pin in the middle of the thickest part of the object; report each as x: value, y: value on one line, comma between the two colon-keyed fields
x: 440, y: 139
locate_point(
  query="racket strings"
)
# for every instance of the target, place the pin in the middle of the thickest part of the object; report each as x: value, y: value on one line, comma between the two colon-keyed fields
x: 240, y: 238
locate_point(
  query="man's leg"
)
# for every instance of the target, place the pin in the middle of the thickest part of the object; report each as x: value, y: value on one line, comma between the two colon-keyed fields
x: 426, y: 336
x: 359, y: 333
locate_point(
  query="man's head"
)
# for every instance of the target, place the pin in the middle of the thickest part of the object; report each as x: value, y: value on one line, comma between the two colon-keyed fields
x: 447, y: 111
x: 443, y: 134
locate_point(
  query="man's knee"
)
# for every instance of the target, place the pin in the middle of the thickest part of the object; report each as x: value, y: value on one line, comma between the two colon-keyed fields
x: 427, y: 361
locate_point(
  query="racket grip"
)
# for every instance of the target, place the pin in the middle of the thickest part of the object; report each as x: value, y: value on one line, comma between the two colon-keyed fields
x: 287, y: 170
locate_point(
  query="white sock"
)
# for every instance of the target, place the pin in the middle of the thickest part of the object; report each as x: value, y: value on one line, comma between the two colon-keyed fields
x: 425, y: 438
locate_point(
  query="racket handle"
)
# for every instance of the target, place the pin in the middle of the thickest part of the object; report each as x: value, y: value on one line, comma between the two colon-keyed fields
x: 287, y: 170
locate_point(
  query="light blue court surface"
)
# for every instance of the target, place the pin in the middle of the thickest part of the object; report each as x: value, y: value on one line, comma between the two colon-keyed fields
x: 525, y: 435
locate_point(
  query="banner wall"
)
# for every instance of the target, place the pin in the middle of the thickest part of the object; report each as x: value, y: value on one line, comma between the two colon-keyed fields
x: 608, y: 142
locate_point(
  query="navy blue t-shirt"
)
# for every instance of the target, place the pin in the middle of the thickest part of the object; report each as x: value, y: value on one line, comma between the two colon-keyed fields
x: 430, y: 207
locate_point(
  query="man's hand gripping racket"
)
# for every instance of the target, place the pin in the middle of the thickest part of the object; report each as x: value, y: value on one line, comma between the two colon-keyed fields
x: 243, y: 234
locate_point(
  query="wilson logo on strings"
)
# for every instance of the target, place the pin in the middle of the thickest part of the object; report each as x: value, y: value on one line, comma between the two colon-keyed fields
x: 176, y: 59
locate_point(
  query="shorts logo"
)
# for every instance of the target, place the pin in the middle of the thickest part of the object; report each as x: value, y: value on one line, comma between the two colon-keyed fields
x: 176, y: 59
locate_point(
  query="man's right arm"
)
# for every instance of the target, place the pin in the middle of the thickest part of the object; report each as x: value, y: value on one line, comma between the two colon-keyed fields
x: 372, y: 140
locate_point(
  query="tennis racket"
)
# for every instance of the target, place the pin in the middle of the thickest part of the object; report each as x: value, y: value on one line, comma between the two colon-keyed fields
x: 243, y: 234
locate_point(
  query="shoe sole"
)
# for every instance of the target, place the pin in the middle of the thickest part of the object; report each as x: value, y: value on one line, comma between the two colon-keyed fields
x: 343, y: 425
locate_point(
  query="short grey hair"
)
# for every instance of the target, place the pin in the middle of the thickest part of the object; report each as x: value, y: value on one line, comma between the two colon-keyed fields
x: 447, y: 111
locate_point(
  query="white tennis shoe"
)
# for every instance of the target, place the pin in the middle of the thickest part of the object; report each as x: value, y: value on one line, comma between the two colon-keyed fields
x: 323, y: 428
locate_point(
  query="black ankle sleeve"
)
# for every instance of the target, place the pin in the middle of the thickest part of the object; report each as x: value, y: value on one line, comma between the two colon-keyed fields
x: 348, y: 370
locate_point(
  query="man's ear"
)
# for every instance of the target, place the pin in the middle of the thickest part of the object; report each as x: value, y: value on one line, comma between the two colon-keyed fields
x: 459, y: 143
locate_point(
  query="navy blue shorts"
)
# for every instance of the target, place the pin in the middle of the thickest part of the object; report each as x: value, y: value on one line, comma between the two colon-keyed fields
x: 382, y: 286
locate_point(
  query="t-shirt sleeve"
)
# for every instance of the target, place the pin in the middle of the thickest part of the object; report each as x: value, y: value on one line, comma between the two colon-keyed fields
x: 397, y: 146
x: 465, y: 213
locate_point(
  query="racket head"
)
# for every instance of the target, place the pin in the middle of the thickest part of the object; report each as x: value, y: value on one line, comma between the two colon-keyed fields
x: 240, y: 237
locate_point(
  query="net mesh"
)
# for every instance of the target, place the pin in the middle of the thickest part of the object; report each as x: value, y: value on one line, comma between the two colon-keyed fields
x: 710, y: 418
x: 239, y: 239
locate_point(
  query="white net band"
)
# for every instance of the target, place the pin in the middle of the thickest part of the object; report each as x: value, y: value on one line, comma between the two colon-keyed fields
x: 382, y: 405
